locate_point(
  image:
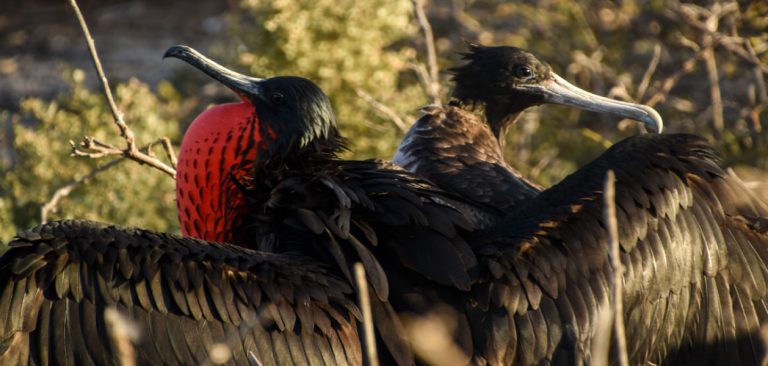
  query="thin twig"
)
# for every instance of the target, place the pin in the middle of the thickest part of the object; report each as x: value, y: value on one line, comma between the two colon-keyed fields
x: 369, y: 339
x: 65, y: 190
x: 433, y: 90
x: 465, y: 20
x: 670, y: 82
x: 646, y: 80
x: 422, y: 74
x: 95, y: 148
x: 718, y: 123
x: 125, y: 132
x: 384, y: 109
x: 712, y: 24
x: 761, y: 88
x: 688, y: 13
x: 618, y: 269
x: 102, y: 149
x: 168, y: 147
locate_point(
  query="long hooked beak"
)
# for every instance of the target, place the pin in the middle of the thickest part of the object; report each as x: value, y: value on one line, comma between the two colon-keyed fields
x: 559, y: 91
x: 244, y: 86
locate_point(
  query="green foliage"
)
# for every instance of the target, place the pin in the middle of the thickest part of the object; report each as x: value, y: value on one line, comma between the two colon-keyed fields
x: 343, y: 45
x: 128, y: 194
x: 348, y: 45
x: 606, y: 48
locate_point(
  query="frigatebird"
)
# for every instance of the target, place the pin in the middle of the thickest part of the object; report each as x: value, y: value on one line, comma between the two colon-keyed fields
x: 462, y: 152
x: 693, y: 242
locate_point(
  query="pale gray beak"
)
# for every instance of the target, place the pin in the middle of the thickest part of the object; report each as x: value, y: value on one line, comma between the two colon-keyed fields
x: 559, y: 91
x: 241, y: 84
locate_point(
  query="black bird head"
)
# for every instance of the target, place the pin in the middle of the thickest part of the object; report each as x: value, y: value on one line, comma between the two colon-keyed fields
x: 292, y: 112
x: 507, y: 80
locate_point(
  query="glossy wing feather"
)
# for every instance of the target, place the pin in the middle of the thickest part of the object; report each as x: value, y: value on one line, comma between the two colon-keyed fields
x: 695, y: 261
x: 55, y: 289
x: 372, y: 212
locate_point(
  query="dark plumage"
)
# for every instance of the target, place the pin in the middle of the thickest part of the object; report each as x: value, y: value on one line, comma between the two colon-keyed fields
x: 185, y: 295
x: 692, y: 245
x: 526, y: 291
x: 543, y: 271
x: 457, y: 150
x: 292, y: 200
x: 462, y: 153
x: 693, y: 237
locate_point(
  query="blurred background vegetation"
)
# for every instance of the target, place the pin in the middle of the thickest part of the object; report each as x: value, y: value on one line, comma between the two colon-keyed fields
x: 703, y: 67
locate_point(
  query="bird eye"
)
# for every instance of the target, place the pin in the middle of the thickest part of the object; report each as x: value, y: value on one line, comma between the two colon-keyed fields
x: 523, y: 72
x: 277, y: 98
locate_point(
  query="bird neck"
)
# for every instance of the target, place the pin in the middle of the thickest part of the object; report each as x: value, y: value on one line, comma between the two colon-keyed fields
x: 217, y: 150
x: 500, y: 114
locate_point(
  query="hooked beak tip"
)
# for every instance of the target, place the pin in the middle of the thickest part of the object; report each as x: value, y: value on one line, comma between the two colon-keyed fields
x: 177, y: 51
x: 653, y: 120
x: 244, y: 86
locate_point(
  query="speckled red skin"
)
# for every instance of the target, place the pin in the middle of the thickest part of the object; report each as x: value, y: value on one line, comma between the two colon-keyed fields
x: 215, y: 148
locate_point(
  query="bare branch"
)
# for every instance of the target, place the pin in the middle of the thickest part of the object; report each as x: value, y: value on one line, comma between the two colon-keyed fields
x: 689, y: 14
x: 422, y: 74
x: 101, y: 149
x: 64, y: 191
x: 384, y: 109
x: 762, y: 91
x: 95, y: 149
x: 718, y: 123
x: 711, y: 25
x: 618, y: 270
x: 369, y: 339
x: 125, y: 132
x: 670, y: 82
x: 464, y: 19
x: 643, y: 87
x: 433, y: 89
x: 543, y: 163
x: 168, y: 147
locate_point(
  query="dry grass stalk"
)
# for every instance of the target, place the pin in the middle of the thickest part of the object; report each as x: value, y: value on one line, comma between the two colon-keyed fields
x: 649, y: 71
x: 431, y: 338
x: 369, y: 339
x: 122, y: 332
x: 601, y: 339
x: 617, y: 284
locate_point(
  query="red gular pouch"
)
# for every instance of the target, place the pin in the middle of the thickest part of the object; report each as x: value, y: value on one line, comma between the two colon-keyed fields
x: 217, y: 149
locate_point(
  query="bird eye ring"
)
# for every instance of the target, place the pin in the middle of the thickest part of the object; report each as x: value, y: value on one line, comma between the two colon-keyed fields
x: 277, y: 98
x: 523, y: 72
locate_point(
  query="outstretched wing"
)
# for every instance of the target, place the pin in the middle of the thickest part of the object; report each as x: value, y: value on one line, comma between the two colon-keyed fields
x: 694, y: 247
x: 184, y: 295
